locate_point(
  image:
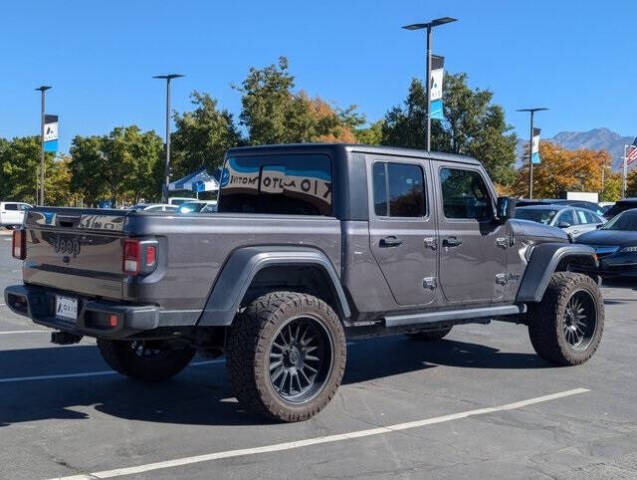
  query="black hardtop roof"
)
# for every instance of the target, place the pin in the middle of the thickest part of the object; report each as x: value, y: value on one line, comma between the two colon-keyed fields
x: 353, y: 147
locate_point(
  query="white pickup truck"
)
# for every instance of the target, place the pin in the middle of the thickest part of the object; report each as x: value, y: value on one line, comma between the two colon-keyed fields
x: 12, y: 213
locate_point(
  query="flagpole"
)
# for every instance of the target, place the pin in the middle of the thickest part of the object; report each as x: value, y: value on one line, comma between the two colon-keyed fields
x: 625, y: 174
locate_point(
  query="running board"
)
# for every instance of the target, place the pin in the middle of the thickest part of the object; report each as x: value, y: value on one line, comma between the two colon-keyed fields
x: 450, y: 315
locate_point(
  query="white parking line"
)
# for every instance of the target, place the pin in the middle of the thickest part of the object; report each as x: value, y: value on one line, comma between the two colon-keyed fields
x: 278, y: 447
x: 9, y: 332
x: 87, y: 374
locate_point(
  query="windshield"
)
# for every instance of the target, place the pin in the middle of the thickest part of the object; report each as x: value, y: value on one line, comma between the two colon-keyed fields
x: 540, y: 215
x: 626, y: 221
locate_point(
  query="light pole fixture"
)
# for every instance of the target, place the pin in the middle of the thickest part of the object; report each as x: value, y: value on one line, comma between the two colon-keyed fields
x: 168, y: 78
x: 532, y: 112
x: 429, y: 26
x: 42, y: 89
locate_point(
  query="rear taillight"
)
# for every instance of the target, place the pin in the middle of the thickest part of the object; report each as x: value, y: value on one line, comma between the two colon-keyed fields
x: 131, y: 260
x: 19, y: 245
x: 139, y: 256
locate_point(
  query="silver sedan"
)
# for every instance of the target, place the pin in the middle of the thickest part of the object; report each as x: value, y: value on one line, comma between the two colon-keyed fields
x: 572, y: 220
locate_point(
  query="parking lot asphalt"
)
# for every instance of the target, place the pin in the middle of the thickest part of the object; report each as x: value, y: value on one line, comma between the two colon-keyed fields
x: 478, y: 404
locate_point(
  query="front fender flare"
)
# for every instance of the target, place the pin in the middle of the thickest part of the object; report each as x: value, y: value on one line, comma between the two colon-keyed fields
x: 243, y: 265
x: 544, y: 260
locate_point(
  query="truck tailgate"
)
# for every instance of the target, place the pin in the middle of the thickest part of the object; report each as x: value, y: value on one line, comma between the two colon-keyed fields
x: 79, y: 251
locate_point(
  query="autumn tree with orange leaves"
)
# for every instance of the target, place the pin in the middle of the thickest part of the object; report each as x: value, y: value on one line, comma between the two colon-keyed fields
x: 563, y: 170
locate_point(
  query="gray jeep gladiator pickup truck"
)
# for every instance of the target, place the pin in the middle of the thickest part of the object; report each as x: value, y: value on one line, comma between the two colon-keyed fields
x: 311, y: 244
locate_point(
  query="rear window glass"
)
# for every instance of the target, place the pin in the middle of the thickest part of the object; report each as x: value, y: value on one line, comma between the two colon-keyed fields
x: 277, y: 184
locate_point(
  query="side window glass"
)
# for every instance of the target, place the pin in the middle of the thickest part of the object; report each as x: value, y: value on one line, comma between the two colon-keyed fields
x: 565, y: 217
x: 464, y: 195
x: 10, y: 206
x: 399, y: 190
x: 581, y: 216
x: 380, y: 190
x: 591, y: 218
x: 406, y: 190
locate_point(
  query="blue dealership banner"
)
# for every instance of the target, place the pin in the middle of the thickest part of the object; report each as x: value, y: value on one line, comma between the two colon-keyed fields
x: 535, y: 147
x: 435, y: 83
x: 50, y: 133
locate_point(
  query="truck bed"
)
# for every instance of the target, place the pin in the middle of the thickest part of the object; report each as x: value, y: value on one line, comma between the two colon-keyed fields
x: 79, y: 251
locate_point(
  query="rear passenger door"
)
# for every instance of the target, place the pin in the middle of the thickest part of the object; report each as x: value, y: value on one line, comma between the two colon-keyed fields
x: 473, y: 246
x: 402, y: 230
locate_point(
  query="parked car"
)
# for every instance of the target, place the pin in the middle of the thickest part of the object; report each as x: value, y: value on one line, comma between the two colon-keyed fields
x: 196, y: 206
x: 620, y: 206
x: 616, y: 245
x: 592, y: 206
x: 155, y: 207
x: 362, y: 241
x: 525, y: 202
x: 179, y: 200
x: 12, y: 213
x: 574, y: 221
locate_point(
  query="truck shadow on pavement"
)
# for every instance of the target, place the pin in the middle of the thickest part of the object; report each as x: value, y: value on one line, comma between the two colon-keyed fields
x: 201, y: 395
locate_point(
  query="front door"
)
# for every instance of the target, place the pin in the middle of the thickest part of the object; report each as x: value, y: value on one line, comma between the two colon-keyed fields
x: 402, y: 231
x: 473, y: 245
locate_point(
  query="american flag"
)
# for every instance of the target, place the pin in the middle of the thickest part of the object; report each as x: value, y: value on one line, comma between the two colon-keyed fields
x: 631, y: 153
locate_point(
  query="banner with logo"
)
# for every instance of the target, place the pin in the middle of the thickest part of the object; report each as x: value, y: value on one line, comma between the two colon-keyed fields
x: 437, y: 75
x: 50, y: 133
x: 535, y: 147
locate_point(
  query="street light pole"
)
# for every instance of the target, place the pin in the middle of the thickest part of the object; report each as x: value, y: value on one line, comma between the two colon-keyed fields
x: 532, y: 112
x: 168, y: 78
x: 42, y: 89
x: 429, y: 26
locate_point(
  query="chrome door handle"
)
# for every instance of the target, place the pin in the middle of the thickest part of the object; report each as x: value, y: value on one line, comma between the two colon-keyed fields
x: 431, y: 242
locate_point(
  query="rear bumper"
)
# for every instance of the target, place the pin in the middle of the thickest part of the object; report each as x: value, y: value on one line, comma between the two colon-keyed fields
x: 38, y: 303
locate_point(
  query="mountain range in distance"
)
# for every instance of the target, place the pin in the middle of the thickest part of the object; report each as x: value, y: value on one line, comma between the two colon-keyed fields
x: 595, y: 139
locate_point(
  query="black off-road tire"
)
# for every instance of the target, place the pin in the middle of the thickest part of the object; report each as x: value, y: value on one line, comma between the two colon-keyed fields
x: 128, y: 358
x: 430, y: 335
x: 547, y: 320
x: 249, y: 352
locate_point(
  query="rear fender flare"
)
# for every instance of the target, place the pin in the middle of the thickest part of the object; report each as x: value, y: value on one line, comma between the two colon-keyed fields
x: 243, y: 265
x: 544, y: 261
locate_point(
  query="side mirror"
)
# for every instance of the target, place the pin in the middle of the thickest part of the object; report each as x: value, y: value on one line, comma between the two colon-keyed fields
x: 563, y: 225
x: 505, y: 208
x: 599, y: 225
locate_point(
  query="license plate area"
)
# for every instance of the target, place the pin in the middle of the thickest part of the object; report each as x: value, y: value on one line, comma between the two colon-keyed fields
x: 66, y: 307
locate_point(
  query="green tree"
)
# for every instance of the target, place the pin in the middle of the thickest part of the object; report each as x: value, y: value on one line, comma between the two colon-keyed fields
x: 472, y: 126
x: 20, y: 167
x: 612, y: 188
x: 272, y: 112
x: 121, y: 166
x: 202, y: 136
x: 372, y: 135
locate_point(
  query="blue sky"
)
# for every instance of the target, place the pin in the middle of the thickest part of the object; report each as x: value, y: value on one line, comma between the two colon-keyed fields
x: 576, y: 57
